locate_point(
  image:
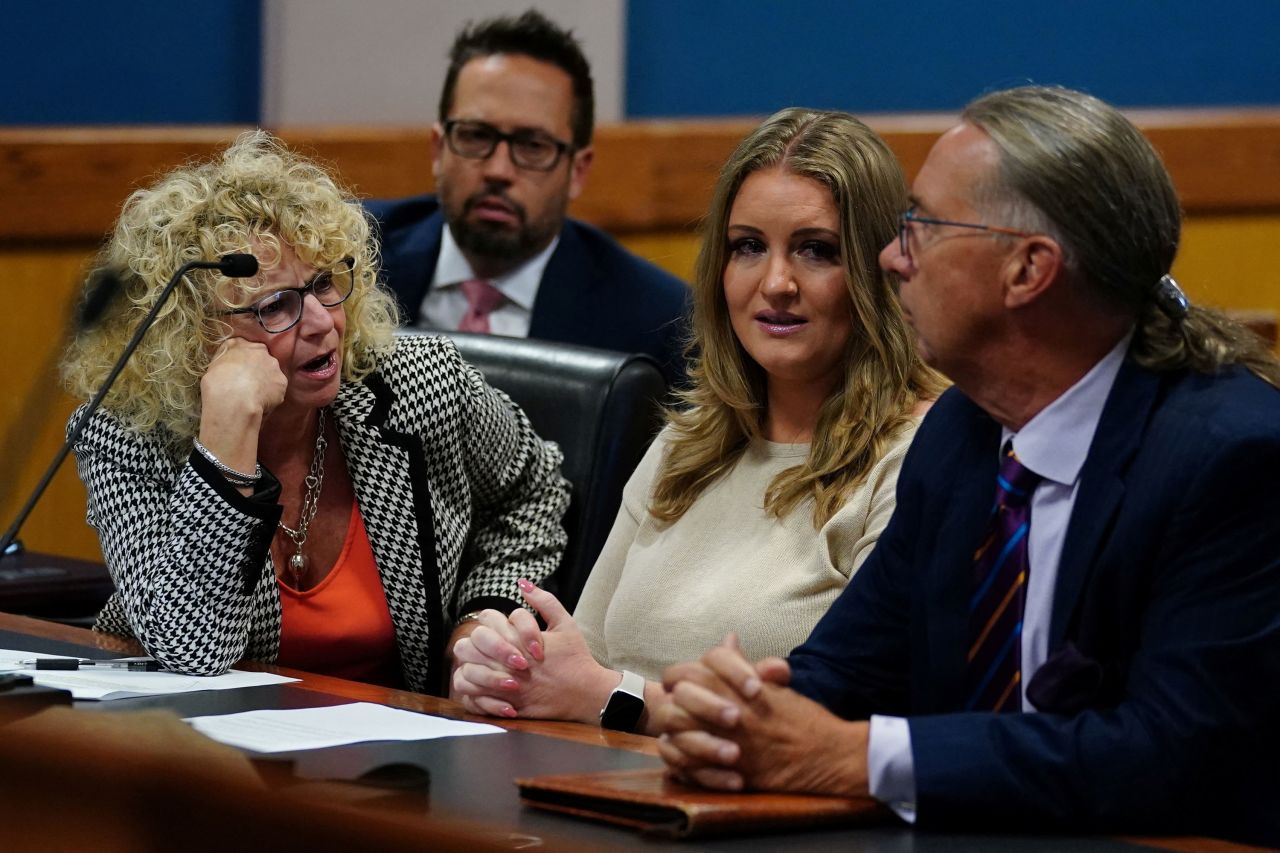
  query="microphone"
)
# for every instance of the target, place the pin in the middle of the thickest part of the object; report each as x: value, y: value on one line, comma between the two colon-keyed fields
x: 105, y: 283
x: 102, y: 290
x: 237, y: 265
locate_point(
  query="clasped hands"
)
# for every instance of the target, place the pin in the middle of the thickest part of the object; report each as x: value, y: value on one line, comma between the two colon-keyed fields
x: 509, y: 667
x: 734, y: 725
x: 726, y: 724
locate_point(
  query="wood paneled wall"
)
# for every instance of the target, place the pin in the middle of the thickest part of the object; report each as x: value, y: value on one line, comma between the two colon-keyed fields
x: 62, y: 184
x: 60, y: 190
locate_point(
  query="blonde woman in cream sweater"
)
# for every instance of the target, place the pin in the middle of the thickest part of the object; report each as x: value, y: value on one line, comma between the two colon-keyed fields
x: 769, y: 488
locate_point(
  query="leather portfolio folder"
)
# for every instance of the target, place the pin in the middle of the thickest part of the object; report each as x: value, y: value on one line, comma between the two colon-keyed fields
x: 650, y: 801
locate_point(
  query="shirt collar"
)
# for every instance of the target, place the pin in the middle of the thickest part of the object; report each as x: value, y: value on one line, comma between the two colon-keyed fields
x: 1056, y: 441
x: 519, y: 286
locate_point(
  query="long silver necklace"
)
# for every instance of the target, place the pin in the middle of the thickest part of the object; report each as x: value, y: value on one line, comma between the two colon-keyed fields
x: 310, y: 504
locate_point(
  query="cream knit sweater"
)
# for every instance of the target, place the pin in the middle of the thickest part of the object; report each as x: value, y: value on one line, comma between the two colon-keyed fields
x: 664, y: 593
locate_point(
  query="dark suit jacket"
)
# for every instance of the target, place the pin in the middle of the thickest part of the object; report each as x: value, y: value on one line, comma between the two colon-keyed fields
x: 1163, y: 684
x: 593, y: 292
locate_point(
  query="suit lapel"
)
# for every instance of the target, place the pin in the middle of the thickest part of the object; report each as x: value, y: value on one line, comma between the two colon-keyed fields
x: 382, y: 477
x: 968, y: 497
x: 430, y: 236
x: 1119, y: 434
x: 562, y: 307
x: 415, y: 264
x: 379, y: 471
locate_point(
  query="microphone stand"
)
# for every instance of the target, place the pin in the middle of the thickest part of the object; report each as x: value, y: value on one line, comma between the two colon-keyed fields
x: 233, y: 266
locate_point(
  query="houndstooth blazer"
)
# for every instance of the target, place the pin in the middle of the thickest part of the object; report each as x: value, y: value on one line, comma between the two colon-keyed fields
x: 459, y: 497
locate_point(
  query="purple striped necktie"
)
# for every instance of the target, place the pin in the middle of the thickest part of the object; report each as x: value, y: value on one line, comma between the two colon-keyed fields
x: 993, y: 676
x: 482, y: 299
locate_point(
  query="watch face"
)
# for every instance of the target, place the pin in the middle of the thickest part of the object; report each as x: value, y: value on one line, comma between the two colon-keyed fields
x: 623, y: 712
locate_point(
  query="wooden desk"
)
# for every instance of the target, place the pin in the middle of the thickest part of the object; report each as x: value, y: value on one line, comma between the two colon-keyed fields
x: 472, y: 801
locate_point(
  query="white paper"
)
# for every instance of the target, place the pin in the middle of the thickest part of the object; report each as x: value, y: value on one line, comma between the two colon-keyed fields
x: 104, y: 684
x: 315, y: 728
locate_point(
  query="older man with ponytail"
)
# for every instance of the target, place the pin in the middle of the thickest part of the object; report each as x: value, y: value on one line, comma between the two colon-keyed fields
x: 1072, y: 622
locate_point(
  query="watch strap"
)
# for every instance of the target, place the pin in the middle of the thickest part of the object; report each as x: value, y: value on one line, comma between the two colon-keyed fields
x: 632, y: 684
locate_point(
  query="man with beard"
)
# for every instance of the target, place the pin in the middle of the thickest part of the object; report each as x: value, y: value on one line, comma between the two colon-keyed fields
x: 512, y: 148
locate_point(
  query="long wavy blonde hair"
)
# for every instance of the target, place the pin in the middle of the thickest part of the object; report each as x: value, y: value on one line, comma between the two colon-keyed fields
x: 255, y: 196
x: 723, y: 409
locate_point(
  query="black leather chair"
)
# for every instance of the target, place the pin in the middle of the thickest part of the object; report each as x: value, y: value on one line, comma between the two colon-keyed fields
x: 601, y: 407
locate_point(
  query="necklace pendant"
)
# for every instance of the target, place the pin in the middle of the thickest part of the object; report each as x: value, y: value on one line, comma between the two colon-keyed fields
x: 297, y: 568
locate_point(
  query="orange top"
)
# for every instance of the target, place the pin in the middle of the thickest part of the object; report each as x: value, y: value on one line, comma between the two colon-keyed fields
x: 342, y: 626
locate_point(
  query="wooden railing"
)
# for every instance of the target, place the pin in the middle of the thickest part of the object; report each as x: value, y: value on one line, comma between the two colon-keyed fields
x: 68, y: 184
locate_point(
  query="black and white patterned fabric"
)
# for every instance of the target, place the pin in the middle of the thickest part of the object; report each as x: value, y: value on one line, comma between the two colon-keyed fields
x: 459, y: 497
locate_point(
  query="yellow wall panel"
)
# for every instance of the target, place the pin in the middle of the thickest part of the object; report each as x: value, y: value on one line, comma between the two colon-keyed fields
x: 40, y: 287
x: 674, y: 251
x: 1230, y: 261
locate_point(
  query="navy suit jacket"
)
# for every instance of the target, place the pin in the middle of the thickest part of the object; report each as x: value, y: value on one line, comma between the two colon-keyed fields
x: 593, y: 292
x: 1160, y: 701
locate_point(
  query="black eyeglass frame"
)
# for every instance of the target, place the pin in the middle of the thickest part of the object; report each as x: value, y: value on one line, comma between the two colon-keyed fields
x: 909, y: 216
x: 348, y: 264
x: 562, y: 147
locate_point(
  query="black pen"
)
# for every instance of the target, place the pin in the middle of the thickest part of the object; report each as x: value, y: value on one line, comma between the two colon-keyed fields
x: 128, y: 664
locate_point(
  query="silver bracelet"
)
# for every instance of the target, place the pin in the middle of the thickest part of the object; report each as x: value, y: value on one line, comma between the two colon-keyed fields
x: 234, y: 477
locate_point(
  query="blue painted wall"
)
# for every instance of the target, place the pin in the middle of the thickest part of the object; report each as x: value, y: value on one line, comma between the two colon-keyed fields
x: 748, y: 57
x: 199, y: 61
x: 142, y: 62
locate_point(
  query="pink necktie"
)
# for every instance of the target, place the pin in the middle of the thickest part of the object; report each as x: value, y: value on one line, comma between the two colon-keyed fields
x: 482, y: 299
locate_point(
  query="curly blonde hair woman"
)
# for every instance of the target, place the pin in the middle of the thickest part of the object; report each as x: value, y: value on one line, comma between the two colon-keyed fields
x: 770, y: 486
x: 274, y: 475
x: 203, y: 212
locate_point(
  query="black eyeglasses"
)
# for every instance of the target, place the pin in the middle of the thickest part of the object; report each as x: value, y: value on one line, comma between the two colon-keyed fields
x: 530, y: 149
x: 909, y: 217
x: 281, y: 310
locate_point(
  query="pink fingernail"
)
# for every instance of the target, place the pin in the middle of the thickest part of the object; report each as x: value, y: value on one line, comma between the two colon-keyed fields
x: 525, y: 586
x: 535, y: 649
x: 510, y: 684
x: 517, y: 662
x: 508, y: 711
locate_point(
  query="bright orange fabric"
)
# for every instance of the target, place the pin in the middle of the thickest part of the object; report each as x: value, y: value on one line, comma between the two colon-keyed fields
x: 342, y: 626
